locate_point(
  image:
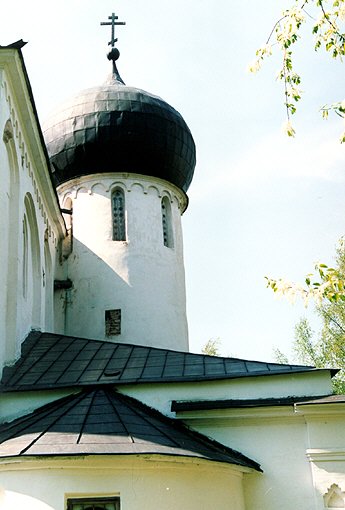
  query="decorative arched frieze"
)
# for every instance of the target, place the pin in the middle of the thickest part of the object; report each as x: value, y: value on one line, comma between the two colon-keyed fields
x: 176, y: 200
x: 139, y: 186
x: 334, y: 497
x: 116, y: 184
x: 145, y: 184
x: 8, y: 132
x: 96, y: 186
x: 83, y: 189
x: 16, y: 133
x: 166, y: 193
x: 150, y: 190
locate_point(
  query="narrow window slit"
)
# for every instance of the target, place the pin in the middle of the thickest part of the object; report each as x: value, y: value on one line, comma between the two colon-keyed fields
x: 167, y: 223
x: 118, y: 211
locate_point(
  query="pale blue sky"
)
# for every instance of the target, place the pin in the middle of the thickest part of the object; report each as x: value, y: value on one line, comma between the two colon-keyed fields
x: 260, y: 204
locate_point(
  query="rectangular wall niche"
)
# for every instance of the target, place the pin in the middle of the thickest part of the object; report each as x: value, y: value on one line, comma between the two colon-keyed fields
x: 93, y: 504
x: 113, y: 322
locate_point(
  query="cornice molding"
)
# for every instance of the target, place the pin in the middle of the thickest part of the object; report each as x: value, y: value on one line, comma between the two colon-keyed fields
x: 325, y: 454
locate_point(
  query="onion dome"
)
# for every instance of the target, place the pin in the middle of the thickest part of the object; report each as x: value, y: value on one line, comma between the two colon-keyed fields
x: 116, y: 128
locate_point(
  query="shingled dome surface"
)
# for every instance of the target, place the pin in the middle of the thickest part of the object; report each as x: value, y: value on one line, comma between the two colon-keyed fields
x: 116, y: 128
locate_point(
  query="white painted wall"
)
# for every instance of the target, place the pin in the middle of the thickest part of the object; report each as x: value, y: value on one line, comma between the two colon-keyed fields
x: 145, y: 483
x: 301, y: 451
x: 140, y: 276
x: 325, y: 440
x: 159, y: 396
x: 26, y: 196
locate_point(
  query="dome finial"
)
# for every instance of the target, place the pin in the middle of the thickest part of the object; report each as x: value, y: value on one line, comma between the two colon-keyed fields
x: 114, y: 53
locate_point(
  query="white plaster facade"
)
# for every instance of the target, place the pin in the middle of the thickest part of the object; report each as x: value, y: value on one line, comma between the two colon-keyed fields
x: 301, y: 448
x: 140, y: 275
x: 31, y: 225
x: 144, y: 483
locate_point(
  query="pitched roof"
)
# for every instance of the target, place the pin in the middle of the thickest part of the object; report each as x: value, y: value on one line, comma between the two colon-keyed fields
x: 98, y: 421
x: 17, y: 45
x: 51, y: 360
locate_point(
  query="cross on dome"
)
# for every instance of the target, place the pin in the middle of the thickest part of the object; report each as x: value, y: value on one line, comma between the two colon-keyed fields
x: 112, y: 23
x: 114, y: 53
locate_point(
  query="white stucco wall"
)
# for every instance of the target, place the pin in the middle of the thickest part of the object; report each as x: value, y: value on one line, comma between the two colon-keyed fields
x: 27, y: 198
x: 160, y: 396
x: 278, y: 444
x: 145, y: 483
x: 326, y: 450
x: 140, y: 276
x: 301, y: 451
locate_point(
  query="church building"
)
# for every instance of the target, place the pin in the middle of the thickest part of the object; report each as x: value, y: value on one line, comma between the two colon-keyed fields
x: 102, y: 405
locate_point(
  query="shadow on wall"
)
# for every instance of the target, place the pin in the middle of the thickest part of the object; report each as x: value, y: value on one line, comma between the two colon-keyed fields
x: 96, y: 288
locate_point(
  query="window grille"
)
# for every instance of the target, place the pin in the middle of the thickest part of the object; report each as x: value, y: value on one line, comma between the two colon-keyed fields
x: 93, y: 504
x: 166, y: 223
x: 118, y: 208
x: 113, y: 322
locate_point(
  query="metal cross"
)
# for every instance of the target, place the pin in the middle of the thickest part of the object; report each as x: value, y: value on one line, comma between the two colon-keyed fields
x: 113, y: 22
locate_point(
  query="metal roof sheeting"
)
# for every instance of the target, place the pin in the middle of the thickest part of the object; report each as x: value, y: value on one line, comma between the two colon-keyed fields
x: 51, y: 361
x: 99, y: 421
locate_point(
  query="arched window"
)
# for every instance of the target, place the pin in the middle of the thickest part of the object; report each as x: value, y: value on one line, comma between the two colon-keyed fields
x: 118, y: 212
x: 9, y: 213
x: 167, y: 223
x: 34, y: 267
x: 25, y: 256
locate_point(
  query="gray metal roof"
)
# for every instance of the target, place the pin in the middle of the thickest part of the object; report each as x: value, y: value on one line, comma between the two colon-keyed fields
x: 203, y: 405
x: 99, y: 421
x: 51, y: 361
x: 116, y: 128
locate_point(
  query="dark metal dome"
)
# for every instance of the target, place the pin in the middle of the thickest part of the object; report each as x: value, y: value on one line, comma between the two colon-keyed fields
x: 116, y: 128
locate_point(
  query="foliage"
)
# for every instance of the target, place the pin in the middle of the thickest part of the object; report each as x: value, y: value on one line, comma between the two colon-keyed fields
x: 328, y: 350
x: 211, y: 348
x: 329, y: 284
x: 328, y: 34
x: 280, y: 357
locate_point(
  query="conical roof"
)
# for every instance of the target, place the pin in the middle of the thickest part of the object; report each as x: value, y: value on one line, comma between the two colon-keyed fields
x: 99, y: 421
